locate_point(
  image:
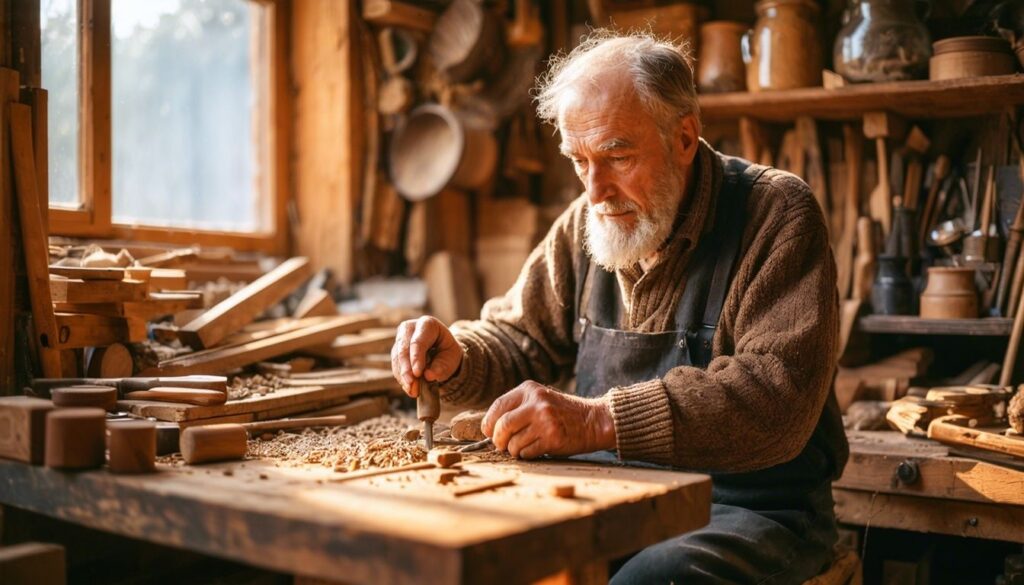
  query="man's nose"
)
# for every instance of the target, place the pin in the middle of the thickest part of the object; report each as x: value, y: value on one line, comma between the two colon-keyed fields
x: 599, y: 187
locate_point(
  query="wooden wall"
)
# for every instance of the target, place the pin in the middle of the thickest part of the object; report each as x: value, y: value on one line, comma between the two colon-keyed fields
x: 327, y: 133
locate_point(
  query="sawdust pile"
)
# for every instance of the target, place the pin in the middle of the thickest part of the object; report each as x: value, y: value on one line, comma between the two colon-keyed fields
x: 241, y: 387
x: 376, y: 442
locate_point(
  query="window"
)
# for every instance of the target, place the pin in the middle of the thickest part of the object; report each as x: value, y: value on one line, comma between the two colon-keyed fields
x: 159, y: 119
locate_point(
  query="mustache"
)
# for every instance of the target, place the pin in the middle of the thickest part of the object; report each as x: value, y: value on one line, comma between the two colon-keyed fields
x: 609, y: 206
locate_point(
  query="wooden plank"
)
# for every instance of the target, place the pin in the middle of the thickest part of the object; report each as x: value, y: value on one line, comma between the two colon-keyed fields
x: 83, y: 273
x: 281, y: 402
x: 316, y: 303
x: 398, y: 528
x: 8, y: 247
x: 167, y: 279
x: 88, y: 330
x: 956, y: 518
x: 912, y: 99
x: 956, y: 430
x: 901, y: 324
x: 400, y: 14
x: 376, y: 340
x: 876, y: 455
x: 34, y: 238
x: 236, y: 311
x: 37, y: 98
x: 225, y: 359
x: 65, y: 290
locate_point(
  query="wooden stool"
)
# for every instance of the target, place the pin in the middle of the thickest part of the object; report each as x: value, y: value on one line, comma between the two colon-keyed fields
x: 845, y: 570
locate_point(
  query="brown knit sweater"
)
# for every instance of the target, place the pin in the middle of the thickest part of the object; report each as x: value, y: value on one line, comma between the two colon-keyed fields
x: 763, y: 394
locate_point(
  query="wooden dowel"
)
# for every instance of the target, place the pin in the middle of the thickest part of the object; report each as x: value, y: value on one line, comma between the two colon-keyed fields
x: 375, y: 472
x: 484, y: 487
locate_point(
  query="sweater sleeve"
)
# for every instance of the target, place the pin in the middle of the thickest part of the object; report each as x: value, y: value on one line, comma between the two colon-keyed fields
x: 527, y: 334
x: 775, y: 358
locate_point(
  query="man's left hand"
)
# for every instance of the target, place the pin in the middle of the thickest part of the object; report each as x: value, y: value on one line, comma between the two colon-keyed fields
x: 533, y: 420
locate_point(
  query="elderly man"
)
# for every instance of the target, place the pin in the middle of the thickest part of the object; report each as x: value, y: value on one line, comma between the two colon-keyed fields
x: 695, y: 294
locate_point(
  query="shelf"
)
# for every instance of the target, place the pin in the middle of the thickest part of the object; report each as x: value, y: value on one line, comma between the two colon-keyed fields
x: 910, y: 325
x: 912, y: 99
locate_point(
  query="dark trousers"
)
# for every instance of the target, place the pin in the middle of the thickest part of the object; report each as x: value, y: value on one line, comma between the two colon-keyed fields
x: 741, y: 546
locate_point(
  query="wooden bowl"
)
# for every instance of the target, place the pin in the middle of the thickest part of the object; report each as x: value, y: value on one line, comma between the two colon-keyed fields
x: 972, y: 56
x: 950, y: 294
x: 433, y: 148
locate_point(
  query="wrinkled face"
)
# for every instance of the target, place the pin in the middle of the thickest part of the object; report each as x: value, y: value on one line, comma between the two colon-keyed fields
x: 634, y: 178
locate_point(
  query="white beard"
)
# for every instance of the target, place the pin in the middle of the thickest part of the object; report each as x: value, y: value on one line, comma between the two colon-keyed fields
x: 616, y: 248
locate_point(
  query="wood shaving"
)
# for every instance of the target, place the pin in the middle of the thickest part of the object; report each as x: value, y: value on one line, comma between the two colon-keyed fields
x: 377, y: 442
x: 242, y: 387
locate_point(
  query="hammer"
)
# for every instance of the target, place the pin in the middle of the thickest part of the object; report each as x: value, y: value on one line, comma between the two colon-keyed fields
x: 224, y: 442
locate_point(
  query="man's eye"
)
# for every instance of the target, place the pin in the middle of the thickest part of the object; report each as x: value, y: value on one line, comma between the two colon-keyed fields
x: 619, y: 159
x: 579, y: 162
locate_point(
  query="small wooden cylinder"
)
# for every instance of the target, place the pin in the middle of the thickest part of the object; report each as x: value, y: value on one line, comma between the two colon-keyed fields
x: 950, y: 294
x: 208, y: 443
x: 113, y: 361
x: 104, y: 397
x: 132, y: 446
x: 75, y: 438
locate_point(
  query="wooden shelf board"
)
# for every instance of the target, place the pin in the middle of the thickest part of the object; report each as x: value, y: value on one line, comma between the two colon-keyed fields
x: 913, y: 99
x: 911, y: 325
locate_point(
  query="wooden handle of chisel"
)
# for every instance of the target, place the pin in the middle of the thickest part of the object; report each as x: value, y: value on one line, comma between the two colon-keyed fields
x: 42, y: 386
x: 225, y: 442
x: 179, y: 395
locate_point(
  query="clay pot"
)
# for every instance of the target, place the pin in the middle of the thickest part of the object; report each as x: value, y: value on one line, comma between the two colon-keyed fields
x: 784, y: 50
x: 892, y: 293
x: 467, y: 42
x: 950, y: 294
x: 433, y: 148
x: 720, y: 67
x: 974, y: 56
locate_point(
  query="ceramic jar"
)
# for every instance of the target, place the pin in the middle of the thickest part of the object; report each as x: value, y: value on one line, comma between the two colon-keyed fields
x: 950, y: 294
x: 720, y: 67
x: 882, y: 40
x: 892, y: 293
x: 784, y: 49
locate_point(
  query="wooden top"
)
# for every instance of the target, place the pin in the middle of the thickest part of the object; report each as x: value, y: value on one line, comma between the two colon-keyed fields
x: 400, y: 527
x: 945, y: 472
x: 912, y: 99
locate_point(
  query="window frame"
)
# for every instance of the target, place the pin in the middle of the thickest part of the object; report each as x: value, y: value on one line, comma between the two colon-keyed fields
x: 93, y: 216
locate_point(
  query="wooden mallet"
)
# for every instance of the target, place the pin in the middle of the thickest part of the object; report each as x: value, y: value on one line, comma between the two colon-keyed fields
x: 226, y: 442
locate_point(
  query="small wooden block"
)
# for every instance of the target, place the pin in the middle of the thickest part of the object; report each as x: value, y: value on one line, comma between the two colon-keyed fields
x: 884, y: 125
x: 917, y: 141
x: 316, y: 303
x: 65, y: 290
x: 132, y: 447
x: 444, y: 458
x: 167, y: 279
x: 33, y: 563
x: 448, y: 477
x: 112, y: 361
x: 85, y: 396
x: 75, y: 438
x: 566, y: 490
x: 23, y: 428
x: 209, y: 443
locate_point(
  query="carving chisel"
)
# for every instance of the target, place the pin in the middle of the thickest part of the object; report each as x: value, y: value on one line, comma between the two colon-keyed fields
x: 428, y: 408
x: 42, y: 386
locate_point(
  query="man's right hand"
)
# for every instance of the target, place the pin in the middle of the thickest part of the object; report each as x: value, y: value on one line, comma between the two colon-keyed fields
x: 409, y: 359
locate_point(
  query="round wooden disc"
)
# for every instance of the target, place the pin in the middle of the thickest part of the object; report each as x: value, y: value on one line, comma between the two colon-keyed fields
x: 113, y: 361
x: 75, y: 438
x: 132, y: 446
x: 104, y: 397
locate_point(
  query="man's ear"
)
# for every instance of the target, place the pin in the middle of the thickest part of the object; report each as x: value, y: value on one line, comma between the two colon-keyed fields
x: 687, y: 138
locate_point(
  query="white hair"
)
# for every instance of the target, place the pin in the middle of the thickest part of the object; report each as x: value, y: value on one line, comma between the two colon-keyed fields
x: 661, y: 72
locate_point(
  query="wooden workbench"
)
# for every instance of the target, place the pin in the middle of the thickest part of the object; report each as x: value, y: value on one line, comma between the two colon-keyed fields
x: 396, y: 528
x: 954, y: 491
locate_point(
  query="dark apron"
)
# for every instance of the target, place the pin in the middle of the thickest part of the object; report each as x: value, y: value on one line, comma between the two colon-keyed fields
x: 608, y: 357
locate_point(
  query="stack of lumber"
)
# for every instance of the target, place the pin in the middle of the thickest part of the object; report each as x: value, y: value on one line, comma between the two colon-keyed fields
x: 983, y: 404
x: 886, y: 379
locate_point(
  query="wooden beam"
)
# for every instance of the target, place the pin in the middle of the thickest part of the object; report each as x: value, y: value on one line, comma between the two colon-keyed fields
x: 67, y: 290
x: 87, y: 330
x: 224, y: 359
x: 34, y: 238
x: 316, y: 303
x: 930, y: 515
x: 238, y: 310
x: 400, y: 14
x: 8, y: 247
x: 366, y: 342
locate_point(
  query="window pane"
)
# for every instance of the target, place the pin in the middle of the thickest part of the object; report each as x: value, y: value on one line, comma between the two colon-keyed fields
x: 59, y: 27
x: 182, y: 112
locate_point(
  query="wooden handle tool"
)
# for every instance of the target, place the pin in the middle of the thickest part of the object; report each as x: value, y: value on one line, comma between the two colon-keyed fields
x: 428, y: 408
x: 179, y: 395
x: 939, y: 174
x: 225, y: 442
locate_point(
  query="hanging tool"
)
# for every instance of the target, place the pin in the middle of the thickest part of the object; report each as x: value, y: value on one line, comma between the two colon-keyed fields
x: 939, y: 173
x: 428, y: 408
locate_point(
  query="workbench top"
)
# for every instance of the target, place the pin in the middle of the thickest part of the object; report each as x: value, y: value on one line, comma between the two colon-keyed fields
x: 392, y: 528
